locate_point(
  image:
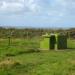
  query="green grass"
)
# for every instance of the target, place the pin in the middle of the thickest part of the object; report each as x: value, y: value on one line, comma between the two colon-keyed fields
x: 61, y: 62
x: 71, y: 43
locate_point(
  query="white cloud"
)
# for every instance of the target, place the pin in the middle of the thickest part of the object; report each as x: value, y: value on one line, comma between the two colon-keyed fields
x: 68, y: 6
x: 32, y: 5
x: 56, y: 13
x: 54, y: 8
x: 16, y: 6
x: 62, y: 8
x: 10, y: 7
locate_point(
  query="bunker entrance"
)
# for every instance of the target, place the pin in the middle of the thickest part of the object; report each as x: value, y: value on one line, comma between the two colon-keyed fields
x: 52, y: 42
x: 62, y: 42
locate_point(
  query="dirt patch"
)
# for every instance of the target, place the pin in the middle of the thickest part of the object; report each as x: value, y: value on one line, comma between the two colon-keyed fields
x: 71, y: 61
x: 8, y: 62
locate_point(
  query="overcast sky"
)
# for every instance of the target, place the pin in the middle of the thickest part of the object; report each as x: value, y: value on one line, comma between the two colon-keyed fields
x: 37, y: 13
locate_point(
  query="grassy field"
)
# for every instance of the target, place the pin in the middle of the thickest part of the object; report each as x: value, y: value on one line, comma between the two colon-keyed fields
x: 15, y: 60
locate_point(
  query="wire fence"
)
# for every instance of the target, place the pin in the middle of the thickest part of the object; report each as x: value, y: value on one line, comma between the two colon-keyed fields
x: 20, y: 44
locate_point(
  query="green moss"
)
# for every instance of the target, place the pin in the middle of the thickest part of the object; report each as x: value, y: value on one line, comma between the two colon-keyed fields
x: 62, y: 42
x: 44, y: 44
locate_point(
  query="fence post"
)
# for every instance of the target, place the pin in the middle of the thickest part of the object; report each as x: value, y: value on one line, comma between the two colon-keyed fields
x: 9, y: 41
x: 27, y: 35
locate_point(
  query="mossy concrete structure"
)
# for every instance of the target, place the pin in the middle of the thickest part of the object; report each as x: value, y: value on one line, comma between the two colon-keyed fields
x: 53, y: 41
x: 62, y: 41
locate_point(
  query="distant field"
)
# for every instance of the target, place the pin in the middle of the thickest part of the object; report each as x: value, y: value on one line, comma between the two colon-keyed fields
x: 15, y: 61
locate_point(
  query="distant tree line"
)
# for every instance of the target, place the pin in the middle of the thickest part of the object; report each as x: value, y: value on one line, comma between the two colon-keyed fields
x: 33, y: 32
